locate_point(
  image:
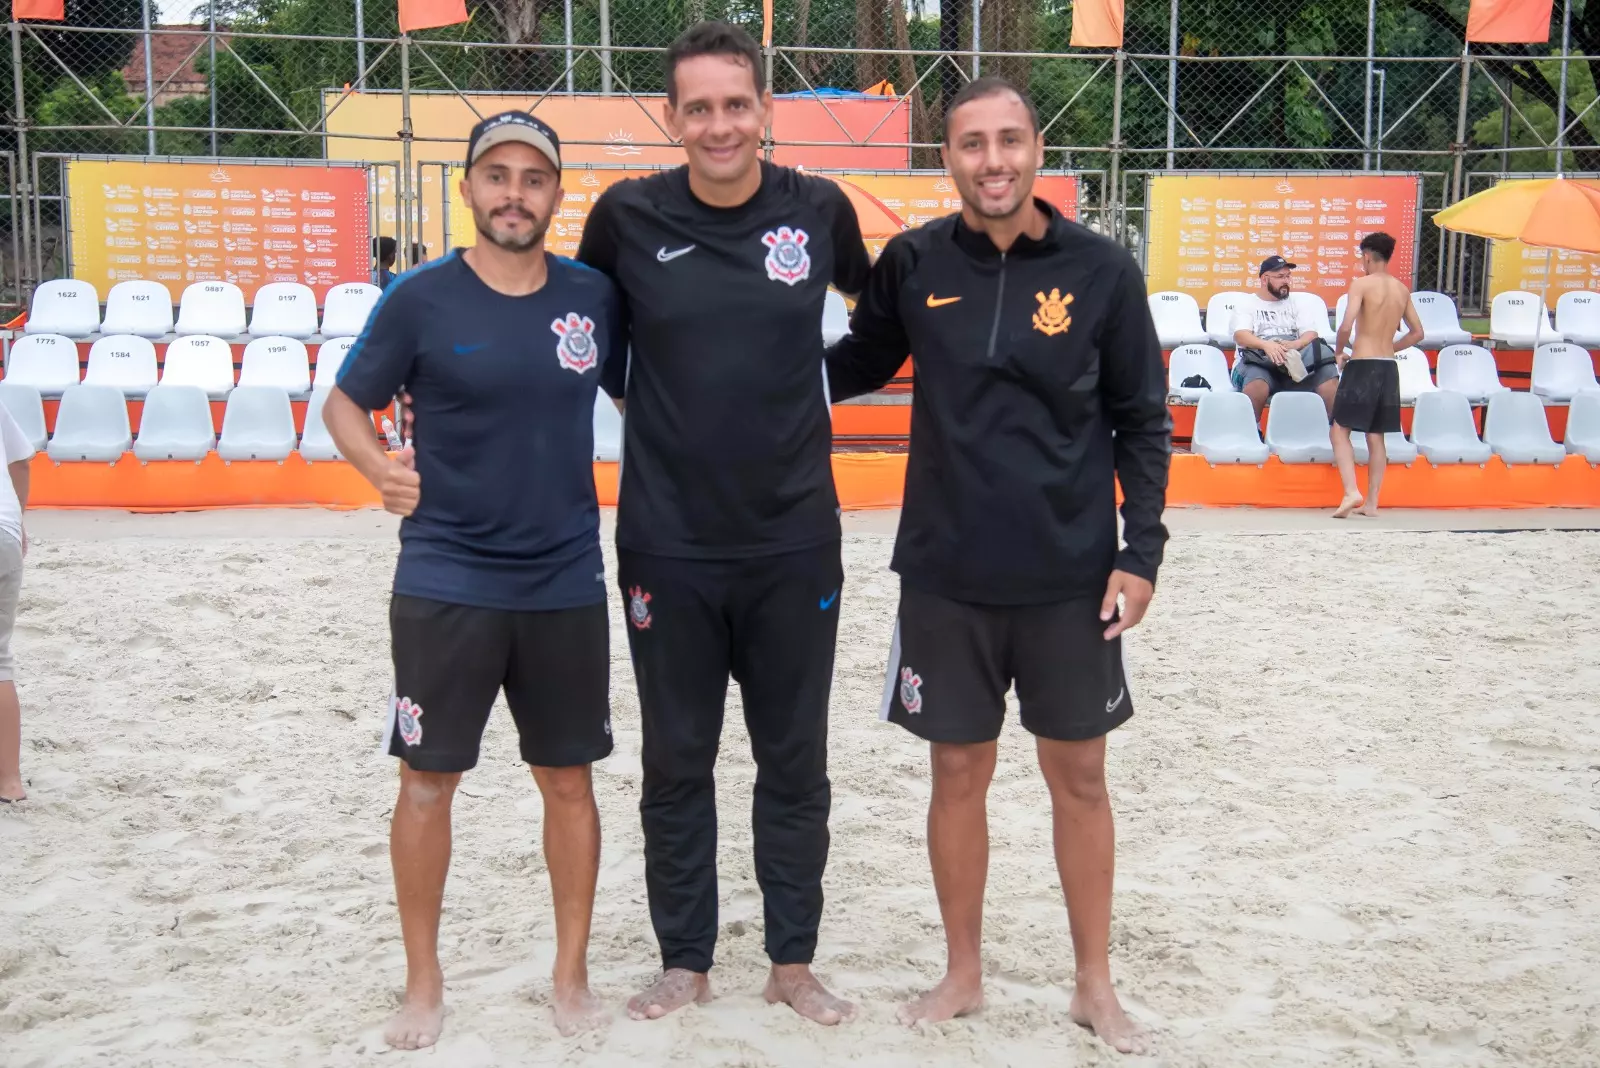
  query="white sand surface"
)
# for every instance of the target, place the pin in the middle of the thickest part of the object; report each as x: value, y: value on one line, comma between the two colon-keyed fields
x: 1358, y: 808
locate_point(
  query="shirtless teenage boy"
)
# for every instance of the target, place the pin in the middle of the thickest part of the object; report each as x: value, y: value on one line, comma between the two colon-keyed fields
x: 1368, y: 400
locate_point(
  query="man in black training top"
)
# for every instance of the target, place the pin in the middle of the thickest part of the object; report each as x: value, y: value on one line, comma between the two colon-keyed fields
x: 1038, y: 385
x: 500, y: 582
x: 727, y: 522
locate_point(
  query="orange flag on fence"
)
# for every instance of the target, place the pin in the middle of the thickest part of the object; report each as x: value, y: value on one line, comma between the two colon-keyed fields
x: 38, y: 9
x: 423, y: 14
x: 1509, y: 21
x: 1097, y: 23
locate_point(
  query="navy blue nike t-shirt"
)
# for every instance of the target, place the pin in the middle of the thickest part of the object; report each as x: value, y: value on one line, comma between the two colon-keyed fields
x: 503, y: 393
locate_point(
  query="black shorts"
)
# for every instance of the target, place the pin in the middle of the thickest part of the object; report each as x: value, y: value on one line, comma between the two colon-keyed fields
x: 451, y: 661
x: 952, y: 663
x: 1369, y: 397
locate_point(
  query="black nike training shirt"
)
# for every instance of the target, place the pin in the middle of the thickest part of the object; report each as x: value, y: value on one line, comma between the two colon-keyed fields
x: 1038, y: 387
x: 727, y: 440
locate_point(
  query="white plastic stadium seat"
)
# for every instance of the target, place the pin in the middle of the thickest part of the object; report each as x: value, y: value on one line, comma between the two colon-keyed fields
x: 1297, y: 429
x: 27, y: 409
x: 215, y: 308
x: 330, y: 357
x: 1519, y: 319
x: 65, y: 306
x: 1316, y: 309
x: 1562, y: 371
x: 1225, y: 430
x: 1415, y: 378
x: 176, y: 425
x: 1444, y: 432
x: 1470, y: 370
x: 347, y: 307
x: 1219, y: 318
x: 124, y: 361
x: 835, y: 318
x: 607, y: 429
x: 1397, y: 447
x: 1206, y: 361
x: 277, y: 361
x: 257, y: 425
x: 91, y: 425
x: 1338, y: 318
x: 138, y: 307
x: 47, y: 362
x: 1583, y: 426
x: 284, y: 309
x: 1578, y: 318
x: 199, y: 360
x: 1518, y: 432
x: 316, y: 443
x: 1177, y: 318
x: 1441, y: 323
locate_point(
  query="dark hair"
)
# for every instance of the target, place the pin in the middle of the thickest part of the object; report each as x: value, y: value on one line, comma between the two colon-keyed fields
x: 712, y: 39
x: 384, y: 250
x: 418, y: 251
x: 979, y: 88
x: 1380, y: 244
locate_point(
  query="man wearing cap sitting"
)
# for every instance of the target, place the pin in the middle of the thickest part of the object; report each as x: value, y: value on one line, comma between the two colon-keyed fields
x: 1279, y: 347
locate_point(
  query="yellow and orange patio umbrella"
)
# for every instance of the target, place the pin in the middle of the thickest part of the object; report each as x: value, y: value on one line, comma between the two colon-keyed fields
x: 1551, y: 213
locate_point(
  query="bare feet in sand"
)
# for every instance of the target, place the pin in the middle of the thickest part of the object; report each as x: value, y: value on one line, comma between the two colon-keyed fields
x: 794, y: 985
x: 1095, y: 1006
x: 1348, y: 505
x: 1368, y: 510
x: 675, y: 988
x: 951, y: 998
x: 577, y: 1010
x: 419, y: 1022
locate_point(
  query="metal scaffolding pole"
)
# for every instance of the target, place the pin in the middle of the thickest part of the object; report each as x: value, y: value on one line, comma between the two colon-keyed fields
x: 1366, y: 110
x: 149, y: 85
x: 1172, y: 82
x: 361, y: 47
x: 566, y: 16
x: 1561, y: 94
x: 25, y: 269
x: 977, y: 35
x: 605, y: 46
x: 1116, y: 144
x: 1453, y: 239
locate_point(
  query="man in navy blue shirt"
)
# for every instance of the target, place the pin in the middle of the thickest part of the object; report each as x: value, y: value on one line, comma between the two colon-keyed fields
x: 500, y: 581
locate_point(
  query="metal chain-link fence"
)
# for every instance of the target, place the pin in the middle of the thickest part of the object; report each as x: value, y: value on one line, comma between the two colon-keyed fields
x: 1199, y: 84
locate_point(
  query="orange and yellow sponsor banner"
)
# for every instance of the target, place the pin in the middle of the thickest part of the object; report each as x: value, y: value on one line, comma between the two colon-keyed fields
x: 1208, y: 233
x: 177, y: 223
x: 885, y: 203
x: 614, y: 129
x: 1552, y: 272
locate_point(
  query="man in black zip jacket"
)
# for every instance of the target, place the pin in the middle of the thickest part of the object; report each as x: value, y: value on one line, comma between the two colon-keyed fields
x: 727, y: 520
x: 1038, y: 386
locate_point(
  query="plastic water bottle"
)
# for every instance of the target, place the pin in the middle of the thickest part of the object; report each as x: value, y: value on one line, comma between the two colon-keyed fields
x: 392, y: 434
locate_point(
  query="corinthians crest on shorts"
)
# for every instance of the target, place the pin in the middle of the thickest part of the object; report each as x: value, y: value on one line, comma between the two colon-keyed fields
x: 911, y: 690
x: 787, y: 258
x: 408, y: 719
x: 639, y: 608
x: 576, y: 348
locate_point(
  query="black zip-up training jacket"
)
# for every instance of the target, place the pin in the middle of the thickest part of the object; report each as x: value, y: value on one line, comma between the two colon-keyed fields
x: 1038, y: 386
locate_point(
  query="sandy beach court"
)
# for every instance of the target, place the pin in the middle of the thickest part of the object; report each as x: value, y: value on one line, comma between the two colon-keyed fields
x: 1358, y: 813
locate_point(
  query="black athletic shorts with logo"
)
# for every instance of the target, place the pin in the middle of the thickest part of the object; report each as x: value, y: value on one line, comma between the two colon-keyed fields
x: 451, y: 661
x: 952, y: 663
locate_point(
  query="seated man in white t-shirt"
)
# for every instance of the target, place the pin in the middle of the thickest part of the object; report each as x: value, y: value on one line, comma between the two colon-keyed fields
x: 1272, y: 333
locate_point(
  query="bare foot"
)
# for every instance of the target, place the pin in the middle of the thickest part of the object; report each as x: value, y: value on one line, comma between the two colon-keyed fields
x: 794, y: 985
x: 1096, y: 1007
x: 1368, y: 510
x: 577, y: 1010
x: 11, y: 789
x: 418, y: 1024
x: 951, y: 998
x: 1348, y: 505
x: 675, y: 988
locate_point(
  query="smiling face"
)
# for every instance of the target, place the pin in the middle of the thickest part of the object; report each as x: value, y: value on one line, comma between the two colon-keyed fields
x: 719, y: 114
x: 993, y: 152
x: 512, y: 191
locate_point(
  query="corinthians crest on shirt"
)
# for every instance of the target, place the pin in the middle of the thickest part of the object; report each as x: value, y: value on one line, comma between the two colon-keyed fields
x: 575, y: 348
x: 787, y: 258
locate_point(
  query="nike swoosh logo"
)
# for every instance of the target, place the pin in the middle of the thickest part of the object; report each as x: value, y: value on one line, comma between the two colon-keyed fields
x: 827, y: 602
x: 667, y: 257
x: 1111, y: 705
x: 462, y: 350
x: 939, y: 302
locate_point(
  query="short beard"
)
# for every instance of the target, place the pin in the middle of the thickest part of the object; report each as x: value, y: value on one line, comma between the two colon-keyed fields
x: 1276, y: 295
x: 513, y: 244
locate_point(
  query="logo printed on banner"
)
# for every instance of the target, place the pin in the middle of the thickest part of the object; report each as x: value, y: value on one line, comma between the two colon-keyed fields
x: 408, y: 718
x: 639, y: 608
x: 577, y: 350
x: 787, y: 259
x: 911, y: 690
x: 1052, y: 318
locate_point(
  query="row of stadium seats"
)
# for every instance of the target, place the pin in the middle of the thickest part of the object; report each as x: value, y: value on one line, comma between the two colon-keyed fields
x: 175, y: 423
x: 1442, y: 430
x: 1560, y: 372
x: 49, y: 363
x: 1516, y: 319
x: 70, y: 308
